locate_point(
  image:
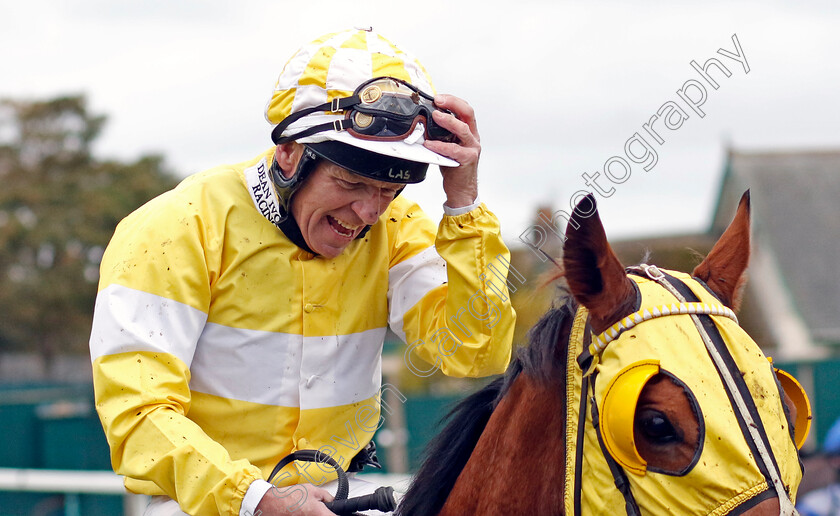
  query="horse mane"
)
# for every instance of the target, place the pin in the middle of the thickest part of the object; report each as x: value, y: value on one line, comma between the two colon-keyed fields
x: 448, y: 453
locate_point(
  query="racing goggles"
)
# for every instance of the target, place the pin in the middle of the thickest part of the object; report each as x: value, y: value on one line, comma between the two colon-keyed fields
x: 381, y: 109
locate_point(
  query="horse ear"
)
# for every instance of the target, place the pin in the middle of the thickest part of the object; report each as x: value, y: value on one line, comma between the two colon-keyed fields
x: 594, y: 273
x: 724, y: 267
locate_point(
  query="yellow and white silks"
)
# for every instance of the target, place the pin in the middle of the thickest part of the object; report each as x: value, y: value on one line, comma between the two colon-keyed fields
x: 218, y: 346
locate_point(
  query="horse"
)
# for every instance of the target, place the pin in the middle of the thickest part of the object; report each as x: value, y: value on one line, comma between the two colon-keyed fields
x: 638, y: 392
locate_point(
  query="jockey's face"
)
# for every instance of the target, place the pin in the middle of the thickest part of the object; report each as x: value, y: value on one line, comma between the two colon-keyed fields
x: 334, y: 205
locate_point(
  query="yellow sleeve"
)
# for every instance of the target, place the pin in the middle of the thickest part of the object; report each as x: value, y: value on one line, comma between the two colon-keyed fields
x: 150, y: 311
x: 142, y: 398
x: 450, y: 301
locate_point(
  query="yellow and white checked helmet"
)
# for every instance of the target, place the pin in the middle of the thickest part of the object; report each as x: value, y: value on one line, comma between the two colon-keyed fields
x: 332, y: 67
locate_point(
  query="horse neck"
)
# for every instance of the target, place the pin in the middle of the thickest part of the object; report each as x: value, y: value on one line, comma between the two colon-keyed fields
x: 517, y: 466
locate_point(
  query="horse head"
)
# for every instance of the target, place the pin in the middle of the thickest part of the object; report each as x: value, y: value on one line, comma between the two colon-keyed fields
x: 639, y: 394
x: 684, y: 413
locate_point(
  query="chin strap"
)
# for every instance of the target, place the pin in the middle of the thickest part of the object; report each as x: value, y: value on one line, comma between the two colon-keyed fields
x: 286, y: 187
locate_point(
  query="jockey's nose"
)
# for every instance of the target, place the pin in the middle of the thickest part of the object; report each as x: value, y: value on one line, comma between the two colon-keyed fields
x: 368, y: 206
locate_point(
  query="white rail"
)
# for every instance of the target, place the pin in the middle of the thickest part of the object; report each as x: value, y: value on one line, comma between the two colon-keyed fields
x: 72, y: 483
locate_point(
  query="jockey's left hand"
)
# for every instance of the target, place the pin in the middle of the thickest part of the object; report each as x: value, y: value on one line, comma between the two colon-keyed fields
x: 459, y: 183
x: 298, y: 500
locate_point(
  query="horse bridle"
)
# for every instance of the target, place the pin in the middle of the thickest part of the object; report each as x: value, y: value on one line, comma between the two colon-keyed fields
x: 734, y: 385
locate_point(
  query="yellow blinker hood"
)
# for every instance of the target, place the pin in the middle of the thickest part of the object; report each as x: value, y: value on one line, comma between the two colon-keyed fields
x: 613, y: 368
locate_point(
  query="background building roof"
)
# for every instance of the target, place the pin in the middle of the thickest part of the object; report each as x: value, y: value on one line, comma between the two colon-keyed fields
x: 796, y: 218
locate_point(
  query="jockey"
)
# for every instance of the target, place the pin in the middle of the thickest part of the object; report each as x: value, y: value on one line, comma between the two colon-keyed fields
x: 241, y: 316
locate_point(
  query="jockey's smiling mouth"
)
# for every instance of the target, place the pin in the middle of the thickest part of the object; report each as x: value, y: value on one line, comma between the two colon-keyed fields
x: 334, y: 206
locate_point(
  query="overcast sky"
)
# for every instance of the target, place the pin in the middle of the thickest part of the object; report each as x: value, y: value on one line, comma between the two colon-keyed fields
x: 558, y: 87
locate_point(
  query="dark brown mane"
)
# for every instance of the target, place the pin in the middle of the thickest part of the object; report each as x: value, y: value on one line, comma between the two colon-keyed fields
x: 543, y: 358
x: 444, y: 459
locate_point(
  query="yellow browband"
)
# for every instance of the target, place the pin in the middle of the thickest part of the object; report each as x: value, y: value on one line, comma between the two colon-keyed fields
x: 599, y: 342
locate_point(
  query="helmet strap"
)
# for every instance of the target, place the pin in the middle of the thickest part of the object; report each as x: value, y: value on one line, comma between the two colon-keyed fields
x: 290, y: 228
x: 285, y: 188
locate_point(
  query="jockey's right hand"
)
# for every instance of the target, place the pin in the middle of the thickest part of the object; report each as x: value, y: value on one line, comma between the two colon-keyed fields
x: 298, y: 500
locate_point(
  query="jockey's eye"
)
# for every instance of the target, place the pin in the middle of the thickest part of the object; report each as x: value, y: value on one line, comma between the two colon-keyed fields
x: 655, y: 427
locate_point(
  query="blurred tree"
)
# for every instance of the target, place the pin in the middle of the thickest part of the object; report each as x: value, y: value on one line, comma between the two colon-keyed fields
x: 59, y: 206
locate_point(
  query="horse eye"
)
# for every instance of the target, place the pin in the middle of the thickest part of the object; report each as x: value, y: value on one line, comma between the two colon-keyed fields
x: 655, y: 427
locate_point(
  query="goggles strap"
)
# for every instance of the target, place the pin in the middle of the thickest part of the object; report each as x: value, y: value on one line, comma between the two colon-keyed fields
x: 337, y: 125
x: 652, y: 272
x: 335, y: 105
